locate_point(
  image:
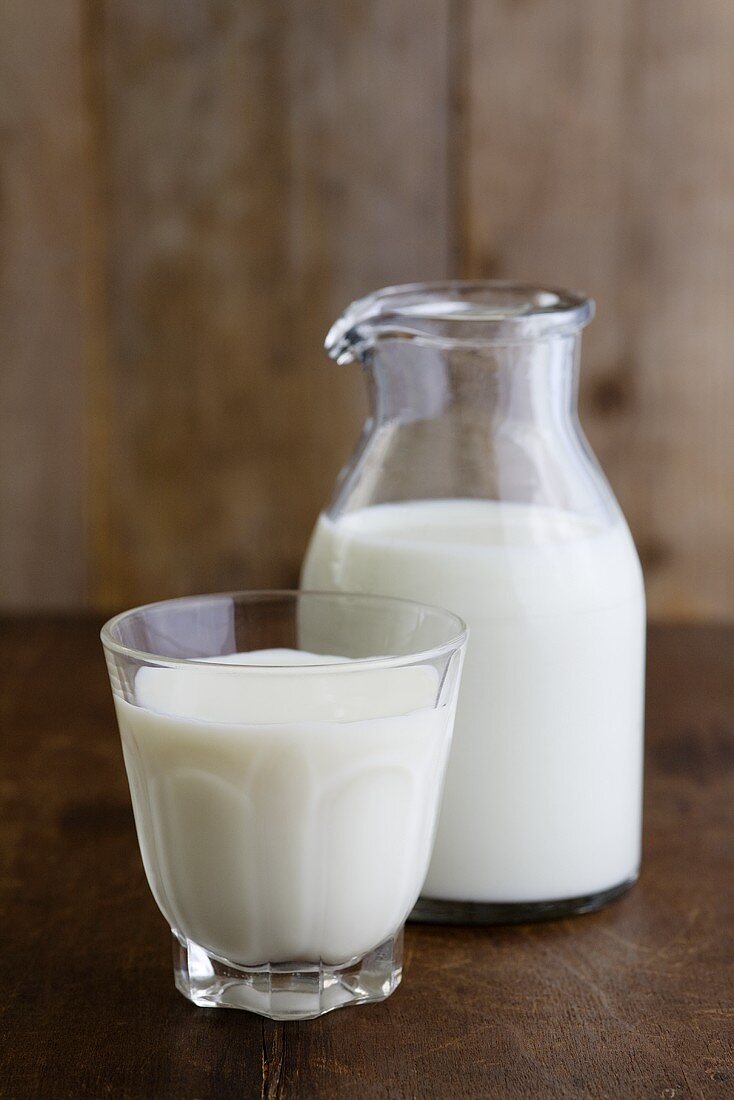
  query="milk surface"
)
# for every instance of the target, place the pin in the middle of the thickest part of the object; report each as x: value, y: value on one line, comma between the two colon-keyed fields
x: 543, y: 792
x: 285, y: 815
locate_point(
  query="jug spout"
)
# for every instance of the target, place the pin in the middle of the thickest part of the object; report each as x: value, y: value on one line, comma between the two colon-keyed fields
x: 456, y: 313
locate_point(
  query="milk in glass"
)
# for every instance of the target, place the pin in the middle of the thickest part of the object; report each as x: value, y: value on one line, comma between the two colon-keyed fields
x: 285, y: 815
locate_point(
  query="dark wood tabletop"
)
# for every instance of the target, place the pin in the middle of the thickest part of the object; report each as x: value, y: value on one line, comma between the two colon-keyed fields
x: 637, y: 1000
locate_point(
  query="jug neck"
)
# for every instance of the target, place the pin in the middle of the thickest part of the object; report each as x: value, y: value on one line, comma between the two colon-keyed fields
x: 473, y: 395
x: 531, y: 382
x: 492, y: 348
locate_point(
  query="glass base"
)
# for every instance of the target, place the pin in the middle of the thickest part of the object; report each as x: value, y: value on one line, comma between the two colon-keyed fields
x: 435, y: 911
x: 286, y: 991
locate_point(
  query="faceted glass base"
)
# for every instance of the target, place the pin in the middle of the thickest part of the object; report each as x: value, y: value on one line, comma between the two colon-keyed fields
x: 286, y: 991
x: 434, y: 911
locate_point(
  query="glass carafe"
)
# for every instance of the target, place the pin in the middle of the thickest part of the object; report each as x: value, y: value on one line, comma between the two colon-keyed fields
x: 473, y: 487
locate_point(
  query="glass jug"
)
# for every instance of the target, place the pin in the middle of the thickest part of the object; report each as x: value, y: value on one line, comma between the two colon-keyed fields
x: 473, y: 487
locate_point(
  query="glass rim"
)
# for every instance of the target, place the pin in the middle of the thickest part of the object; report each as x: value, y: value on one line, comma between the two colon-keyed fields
x: 252, y: 596
x: 459, y: 312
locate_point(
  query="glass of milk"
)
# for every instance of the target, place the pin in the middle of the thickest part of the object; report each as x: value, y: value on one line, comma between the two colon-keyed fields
x: 286, y: 754
x: 473, y: 487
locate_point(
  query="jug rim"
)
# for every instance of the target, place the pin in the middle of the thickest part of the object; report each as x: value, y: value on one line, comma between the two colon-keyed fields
x: 462, y: 313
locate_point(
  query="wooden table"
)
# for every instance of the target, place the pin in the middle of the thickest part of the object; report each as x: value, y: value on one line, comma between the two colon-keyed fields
x: 633, y: 1001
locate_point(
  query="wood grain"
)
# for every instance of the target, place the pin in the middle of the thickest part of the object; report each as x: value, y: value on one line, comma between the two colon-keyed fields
x: 259, y: 178
x: 191, y: 192
x: 634, y: 1001
x: 599, y: 153
x: 43, y: 215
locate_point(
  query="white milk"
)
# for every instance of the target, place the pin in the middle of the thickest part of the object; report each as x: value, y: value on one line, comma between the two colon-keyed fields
x: 543, y: 792
x: 287, y: 815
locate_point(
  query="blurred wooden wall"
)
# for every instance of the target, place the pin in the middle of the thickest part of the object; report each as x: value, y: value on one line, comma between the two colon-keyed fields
x: 191, y: 190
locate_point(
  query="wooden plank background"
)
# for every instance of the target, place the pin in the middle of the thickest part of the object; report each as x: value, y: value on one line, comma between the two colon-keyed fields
x: 190, y: 192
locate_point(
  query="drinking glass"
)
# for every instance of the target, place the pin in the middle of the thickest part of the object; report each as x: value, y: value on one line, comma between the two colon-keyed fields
x: 285, y: 753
